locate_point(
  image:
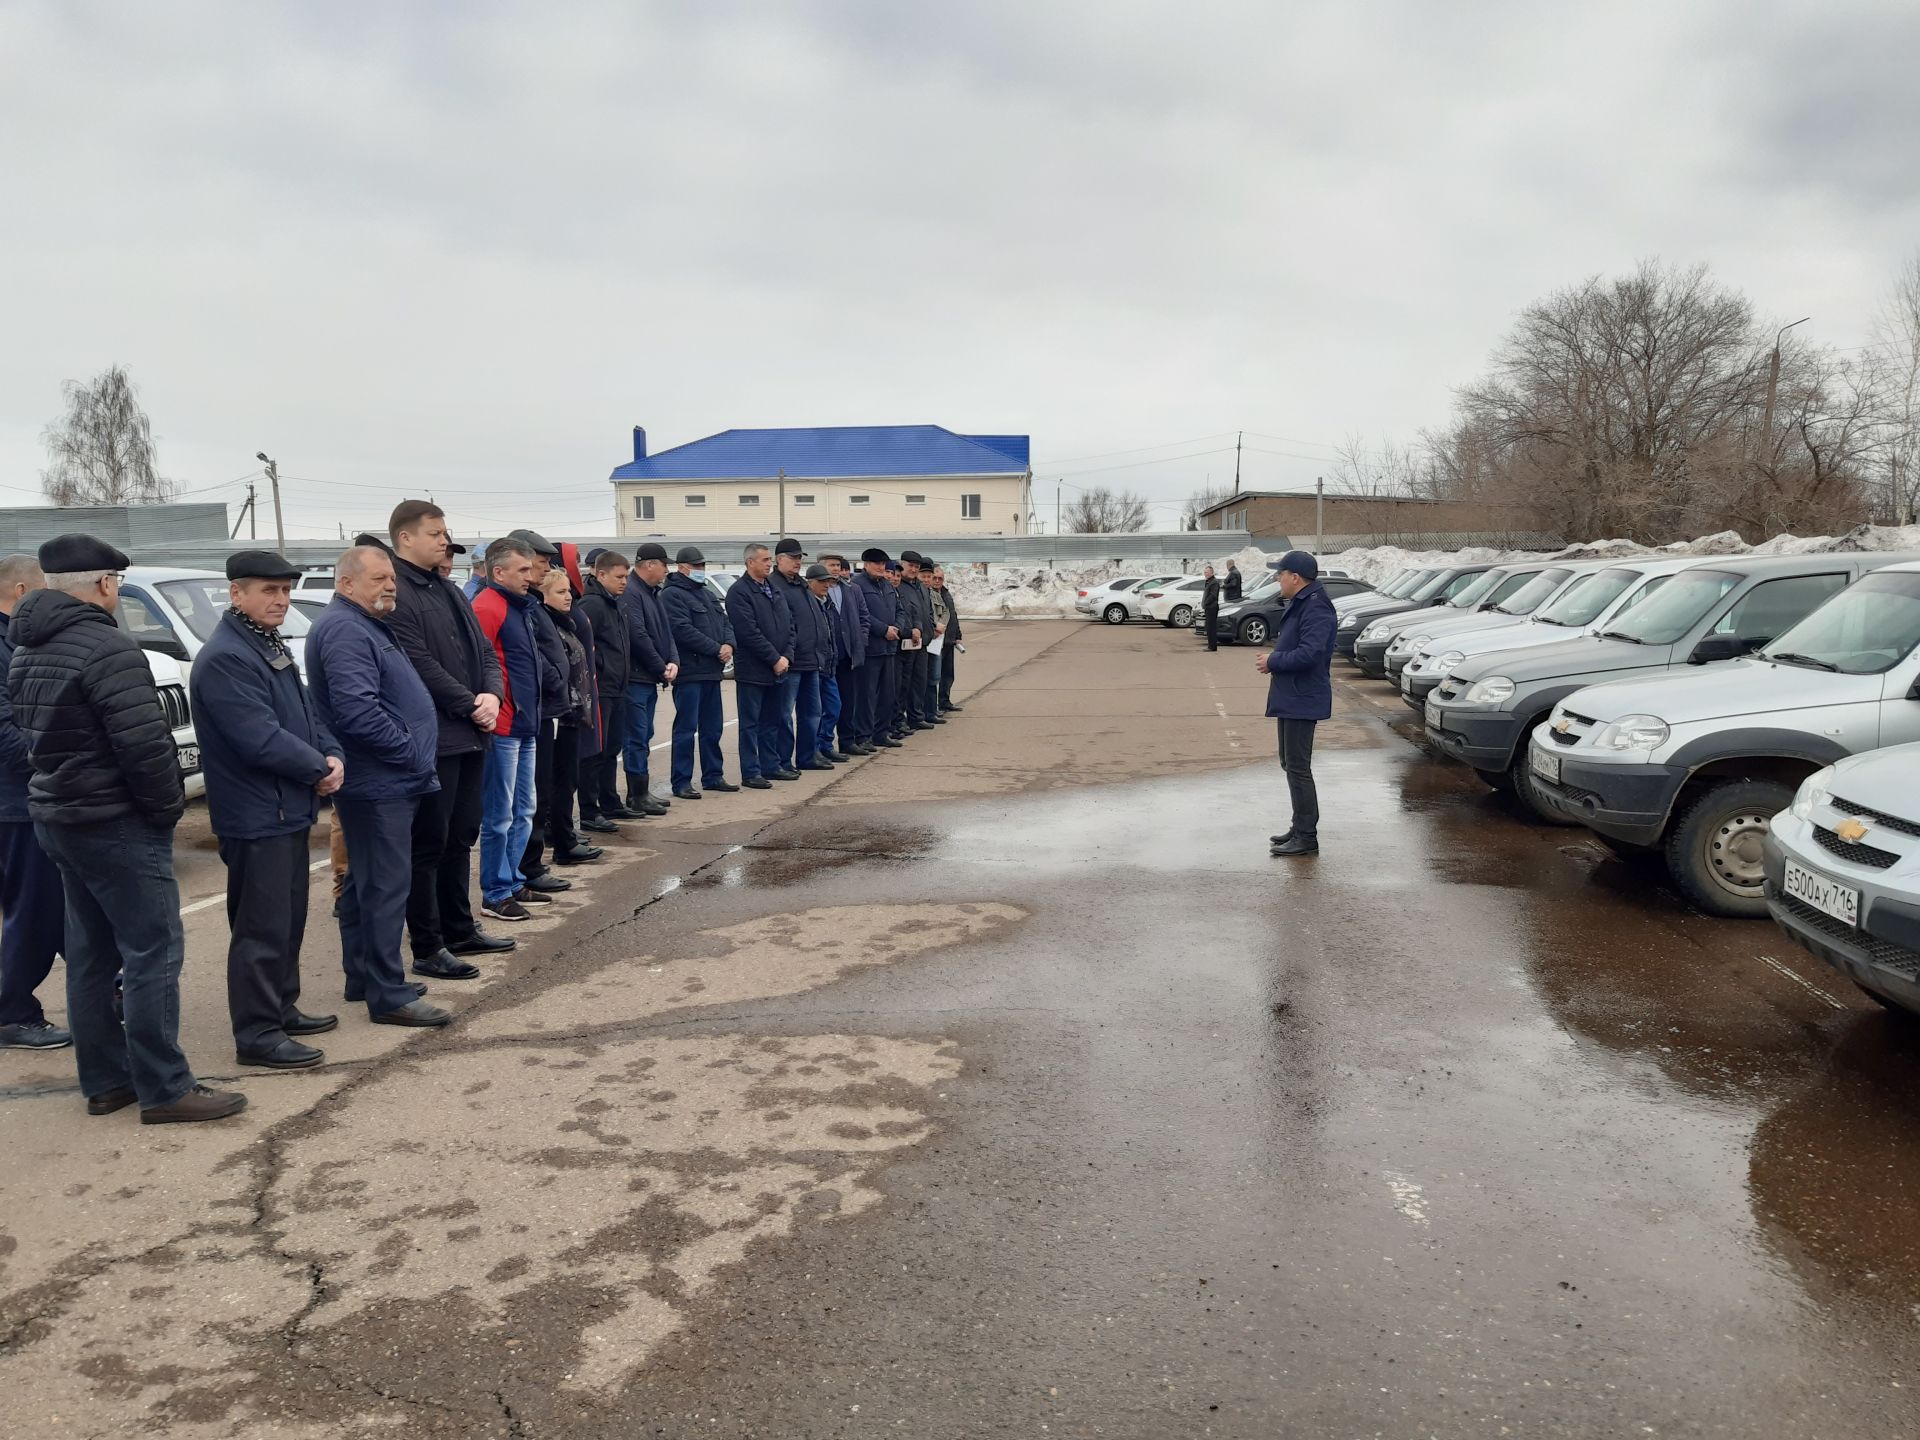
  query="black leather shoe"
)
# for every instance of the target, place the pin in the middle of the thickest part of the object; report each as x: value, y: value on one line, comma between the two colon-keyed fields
x: 815, y: 765
x: 725, y: 787
x: 417, y: 988
x: 937, y: 720
x: 109, y: 1101
x: 886, y: 742
x: 686, y: 794
x: 548, y: 885
x: 305, y: 1024
x: 651, y: 806
x: 445, y: 965
x: 786, y: 774
x: 418, y: 1014
x: 923, y: 724
x: 756, y: 783
x: 599, y: 826
x: 287, y: 1055
x: 1298, y: 845
x: 839, y: 757
x: 952, y: 709
x: 620, y: 812
x: 1281, y: 839
x: 578, y: 855
x: 481, y: 943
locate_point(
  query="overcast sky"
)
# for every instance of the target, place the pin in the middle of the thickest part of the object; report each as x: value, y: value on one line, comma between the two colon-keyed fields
x: 464, y: 248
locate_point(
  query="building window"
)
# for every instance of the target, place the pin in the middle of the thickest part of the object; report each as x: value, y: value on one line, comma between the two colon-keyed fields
x: 643, y: 507
x: 803, y: 499
x: 695, y: 502
x: 749, y: 499
x: 969, y: 507
x: 916, y: 499
x: 858, y: 499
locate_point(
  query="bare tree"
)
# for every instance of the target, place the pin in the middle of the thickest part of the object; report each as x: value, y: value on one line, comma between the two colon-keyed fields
x: 1101, y: 511
x: 1895, y: 357
x: 102, y: 447
x: 1203, y: 499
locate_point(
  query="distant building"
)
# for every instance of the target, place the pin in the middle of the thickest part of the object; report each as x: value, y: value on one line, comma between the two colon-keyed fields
x: 862, y: 480
x: 1372, y: 520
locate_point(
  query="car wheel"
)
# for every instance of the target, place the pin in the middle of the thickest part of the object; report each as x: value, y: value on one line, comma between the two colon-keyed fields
x: 1253, y: 630
x: 1182, y: 616
x: 1713, y: 852
x: 1115, y: 614
x: 1521, y: 780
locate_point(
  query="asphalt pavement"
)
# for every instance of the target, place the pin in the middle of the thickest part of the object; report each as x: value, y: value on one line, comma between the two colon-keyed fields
x: 1003, y: 1084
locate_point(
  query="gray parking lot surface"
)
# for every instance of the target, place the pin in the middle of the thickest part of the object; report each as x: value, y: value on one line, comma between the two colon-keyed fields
x: 1003, y: 1084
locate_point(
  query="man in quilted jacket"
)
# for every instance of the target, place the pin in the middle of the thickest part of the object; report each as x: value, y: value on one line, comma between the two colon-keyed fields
x: 105, y: 796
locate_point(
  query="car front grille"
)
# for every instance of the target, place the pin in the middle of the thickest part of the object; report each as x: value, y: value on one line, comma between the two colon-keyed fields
x: 173, y: 704
x: 1882, y: 952
x: 1578, y: 726
x: 1868, y: 855
x: 1879, y: 817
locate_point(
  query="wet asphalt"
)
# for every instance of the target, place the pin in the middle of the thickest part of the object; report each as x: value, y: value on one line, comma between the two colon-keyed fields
x: 1463, y: 1127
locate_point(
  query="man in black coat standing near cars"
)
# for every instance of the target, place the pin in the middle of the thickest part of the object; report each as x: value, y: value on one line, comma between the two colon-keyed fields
x: 1210, y: 606
x: 267, y: 759
x: 1300, y: 691
x: 600, y: 803
x: 433, y: 623
x: 105, y: 797
x: 1230, y: 587
x: 653, y: 660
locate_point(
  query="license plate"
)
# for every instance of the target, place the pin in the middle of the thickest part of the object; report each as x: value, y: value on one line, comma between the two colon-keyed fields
x: 1822, y: 894
x: 1433, y: 716
x: 1546, y: 766
x: 189, y: 759
x: 1406, y: 682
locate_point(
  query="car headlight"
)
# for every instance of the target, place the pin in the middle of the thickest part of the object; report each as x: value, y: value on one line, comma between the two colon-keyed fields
x: 1416, y: 641
x: 1494, y: 690
x: 1814, y: 790
x: 1632, y: 732
x: 1447, y: 661
x: 1374, y: 632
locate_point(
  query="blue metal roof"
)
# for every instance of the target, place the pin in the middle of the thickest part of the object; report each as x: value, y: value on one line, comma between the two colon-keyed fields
x: 853, y: 451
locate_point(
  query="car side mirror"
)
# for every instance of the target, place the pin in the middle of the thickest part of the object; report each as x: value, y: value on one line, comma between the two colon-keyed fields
x: 168, y: 645
x: 1717, y: 647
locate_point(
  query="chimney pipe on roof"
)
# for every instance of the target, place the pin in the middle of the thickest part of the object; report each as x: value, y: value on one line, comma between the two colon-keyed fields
x: 639, y: 443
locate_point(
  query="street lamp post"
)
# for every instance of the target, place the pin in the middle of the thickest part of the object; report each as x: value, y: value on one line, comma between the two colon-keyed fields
x: 279, y: 525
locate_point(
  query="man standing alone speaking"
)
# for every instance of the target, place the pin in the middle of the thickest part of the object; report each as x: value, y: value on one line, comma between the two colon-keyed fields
x: 1300, y: 690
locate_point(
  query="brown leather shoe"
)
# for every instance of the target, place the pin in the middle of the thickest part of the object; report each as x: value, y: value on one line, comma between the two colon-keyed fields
x: 111, y: 1100
x: 199, y: 1103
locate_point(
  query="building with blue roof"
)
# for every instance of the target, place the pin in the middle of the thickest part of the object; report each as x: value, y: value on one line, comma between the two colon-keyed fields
x: 857, y: 480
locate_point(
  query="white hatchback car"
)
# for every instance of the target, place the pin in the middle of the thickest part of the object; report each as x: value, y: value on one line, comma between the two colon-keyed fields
x: 1109, y: 601
x: 1175, y: 603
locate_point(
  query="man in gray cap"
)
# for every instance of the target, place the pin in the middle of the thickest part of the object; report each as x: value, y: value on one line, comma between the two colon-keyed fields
x: 703, y: 636
x: 1300, y: 690
x: 268, y: 759
x: 105, y: 796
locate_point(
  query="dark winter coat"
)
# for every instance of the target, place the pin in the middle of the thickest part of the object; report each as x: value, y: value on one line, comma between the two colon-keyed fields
x: 261, y: 745
x: 1210, y: 595
x: 1299, y: 669
x: 368, y: 695
x: 506, y: 623
x: 84, y: 698
x: 918, y: 610
x: 763, y: 627
x: 434, y: 624
x: 579, y: 707
x: 849, y: 625
x: 699, y: 624
x: 812, y: 632
x: 554, y: 699
x: 1230, y: 587
x: 882, y: 606
x: 16, y: 766
x: 650, y: 645
x: 610, y: 662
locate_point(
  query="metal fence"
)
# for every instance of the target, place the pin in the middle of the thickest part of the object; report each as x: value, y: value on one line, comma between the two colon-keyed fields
x: 137, y: 529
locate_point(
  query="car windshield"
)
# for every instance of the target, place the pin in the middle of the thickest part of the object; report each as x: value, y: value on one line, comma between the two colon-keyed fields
x: 1481, y: 587
x: 1532, y: 595
x: 1437, y: 583
x: 1581, y: 601
x: 1266, y: 582
x: 1663, y: 618
x: 1865, y: 629
x: 1415, y: 579
x: 202, y: 602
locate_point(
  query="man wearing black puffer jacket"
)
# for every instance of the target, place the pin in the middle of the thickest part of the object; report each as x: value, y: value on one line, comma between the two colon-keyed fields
x: 105, y: 796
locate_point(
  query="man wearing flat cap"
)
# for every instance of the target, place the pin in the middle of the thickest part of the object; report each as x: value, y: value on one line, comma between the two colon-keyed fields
x: 703, y: 636
x: 653, y: 660
x: 1300, y: 690
x: 839, y: 686
x: 268, y: 759
x: 105, y: 796
x: 800, y: 699
x: 882, y: 609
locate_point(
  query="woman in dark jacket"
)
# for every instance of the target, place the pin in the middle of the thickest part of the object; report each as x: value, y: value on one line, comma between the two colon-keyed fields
x: 578, y: 727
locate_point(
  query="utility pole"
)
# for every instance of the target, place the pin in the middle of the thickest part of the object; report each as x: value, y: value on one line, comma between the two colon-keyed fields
x: 1056, y: 505
x: 783, y: 503
x: 279, y: 524
x: 1238, y: 436
x: 1319, y: 509
x: 1773, y: 386
x: 248, y: 515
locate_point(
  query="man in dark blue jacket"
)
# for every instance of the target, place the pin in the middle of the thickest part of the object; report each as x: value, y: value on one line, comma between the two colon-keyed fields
x: 653, y: 660
x: 704, y: 639
x: 31, y: 897
x: 267, y: 761
x: 763, y: 637
x: 882, y: 609
x: 371, y: 699
x: 812, y: 651
x: 600, y: 802
x: 1300, y: 690
x: 840, y: 691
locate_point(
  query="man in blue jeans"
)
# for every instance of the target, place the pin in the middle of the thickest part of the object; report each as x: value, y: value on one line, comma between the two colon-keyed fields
x: 653, y: 660
x: 762, y: 658
x: 841, y: 711
x: 812, y: 642
x: 704, y: 640
x: 105, y: 796
x: 502, y: 605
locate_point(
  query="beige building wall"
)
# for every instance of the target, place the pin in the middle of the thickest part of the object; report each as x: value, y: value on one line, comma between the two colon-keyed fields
x: 868, y: 507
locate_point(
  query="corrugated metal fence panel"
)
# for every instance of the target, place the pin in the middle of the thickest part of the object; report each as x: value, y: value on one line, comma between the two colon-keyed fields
x: 133, y: 528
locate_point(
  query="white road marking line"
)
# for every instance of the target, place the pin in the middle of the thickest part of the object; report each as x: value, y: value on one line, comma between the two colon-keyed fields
x: 1802, y: 981
x: 664, y: 744
x: 1408, y: 1198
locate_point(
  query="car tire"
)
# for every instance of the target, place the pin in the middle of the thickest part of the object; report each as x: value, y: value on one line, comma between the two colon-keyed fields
x: 1713, y: 849
x: 1520, y: 780
x: 1253, y: 630
x: 1115, y: 614
x: 1182, y: 617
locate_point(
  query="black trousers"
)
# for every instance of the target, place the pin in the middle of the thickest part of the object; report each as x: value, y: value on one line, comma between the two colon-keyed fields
x: 373, y: 906
x: 600, y: 774
x: 1209, y: 616
x: 947, y: 653
x: 531, y: 861
x: 34, y: 902
x: 886, y: 720
x: 914, y: 679
x: 445, y: 829
x: 1296, y: 757
x: 556, y: 801
x: 267, y: 884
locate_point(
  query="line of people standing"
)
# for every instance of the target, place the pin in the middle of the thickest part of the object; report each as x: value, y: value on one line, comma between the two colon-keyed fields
x: 436, y: 719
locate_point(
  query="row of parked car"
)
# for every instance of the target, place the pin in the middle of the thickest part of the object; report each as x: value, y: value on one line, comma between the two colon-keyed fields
x: 1733, y: 718
x: 1175, y: 601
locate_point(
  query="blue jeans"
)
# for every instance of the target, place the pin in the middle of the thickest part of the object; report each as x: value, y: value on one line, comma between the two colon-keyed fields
x: 123, y: 918
x: 642, y: 702
x: 373, y: 907
x: 697, y: 715
x: 806, y: 716
x: 829, y: 710
x: 506, y: 815
x: 755, y: 701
